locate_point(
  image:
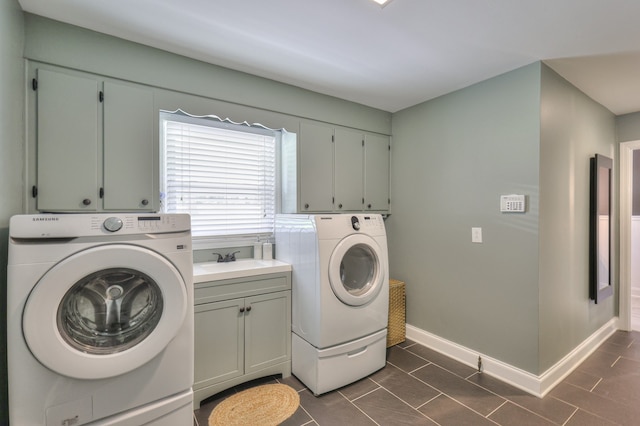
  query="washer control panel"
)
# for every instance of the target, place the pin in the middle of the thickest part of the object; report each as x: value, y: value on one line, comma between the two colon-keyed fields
x: 49, y: 225
x: 113, y: 224
x: 137, y: 223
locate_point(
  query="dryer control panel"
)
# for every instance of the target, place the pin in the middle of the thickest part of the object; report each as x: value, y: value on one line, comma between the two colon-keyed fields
x: 336, y: 225
x: 371, y: 224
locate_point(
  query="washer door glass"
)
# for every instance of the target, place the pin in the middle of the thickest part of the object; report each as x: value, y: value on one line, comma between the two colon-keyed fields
x: 105, y: 311
x: 356, y: 272
x: 110, y: 311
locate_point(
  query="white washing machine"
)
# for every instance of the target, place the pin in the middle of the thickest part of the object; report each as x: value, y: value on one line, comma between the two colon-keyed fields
x: 340, y: 295
x: 100, y: 320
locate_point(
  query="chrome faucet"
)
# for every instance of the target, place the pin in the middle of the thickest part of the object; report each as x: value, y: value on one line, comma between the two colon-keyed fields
x: 229, y: 257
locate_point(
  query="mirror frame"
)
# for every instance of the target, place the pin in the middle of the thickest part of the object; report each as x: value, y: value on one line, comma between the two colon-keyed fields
x: 600, y: 228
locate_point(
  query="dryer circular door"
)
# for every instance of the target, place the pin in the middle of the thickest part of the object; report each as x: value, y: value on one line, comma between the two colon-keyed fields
x: 356, y: 269
x: 104, y: 311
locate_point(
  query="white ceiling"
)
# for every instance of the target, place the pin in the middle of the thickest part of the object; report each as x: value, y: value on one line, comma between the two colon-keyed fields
x: 388, y: 58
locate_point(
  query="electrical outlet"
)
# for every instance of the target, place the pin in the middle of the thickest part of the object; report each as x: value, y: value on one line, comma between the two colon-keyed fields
x: 476, y: 235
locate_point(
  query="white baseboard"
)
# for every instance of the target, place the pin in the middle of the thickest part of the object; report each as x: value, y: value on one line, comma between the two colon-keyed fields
x: 531, y: 383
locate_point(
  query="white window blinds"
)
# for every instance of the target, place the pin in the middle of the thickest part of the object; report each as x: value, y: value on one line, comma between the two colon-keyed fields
x: 224, y: 177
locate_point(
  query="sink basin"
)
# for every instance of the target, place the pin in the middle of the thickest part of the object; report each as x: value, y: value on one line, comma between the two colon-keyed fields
x: 214, y: 271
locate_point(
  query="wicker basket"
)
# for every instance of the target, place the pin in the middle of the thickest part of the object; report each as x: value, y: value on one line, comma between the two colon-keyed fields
x: 396, y: 328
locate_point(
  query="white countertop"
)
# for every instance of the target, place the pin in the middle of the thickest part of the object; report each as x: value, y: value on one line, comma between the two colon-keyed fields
x: 214, y: 271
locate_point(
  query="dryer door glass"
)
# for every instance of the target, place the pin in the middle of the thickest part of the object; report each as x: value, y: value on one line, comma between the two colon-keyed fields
x: 357, y: 269
x: 110, y: 311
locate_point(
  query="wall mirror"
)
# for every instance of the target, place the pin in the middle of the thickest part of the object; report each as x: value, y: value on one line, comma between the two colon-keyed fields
x: 600, y: 285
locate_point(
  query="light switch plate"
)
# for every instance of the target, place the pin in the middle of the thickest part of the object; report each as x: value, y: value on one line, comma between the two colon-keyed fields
x: 476, y: 235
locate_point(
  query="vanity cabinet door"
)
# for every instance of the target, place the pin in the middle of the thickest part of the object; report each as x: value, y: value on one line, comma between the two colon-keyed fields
x: 267, y: 330
x: 68, y: 142
x: 219, y: 342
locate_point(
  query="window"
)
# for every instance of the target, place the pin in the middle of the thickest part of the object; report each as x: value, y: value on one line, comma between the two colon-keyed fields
x: 223, y: 174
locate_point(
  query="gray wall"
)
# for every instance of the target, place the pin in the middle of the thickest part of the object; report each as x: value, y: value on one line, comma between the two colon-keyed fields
x: 574, y: 129
x: 452, y: 158
x: 628, y: 127
x: 522, y: 295
x: 11, y: 146
x: 61, y: 44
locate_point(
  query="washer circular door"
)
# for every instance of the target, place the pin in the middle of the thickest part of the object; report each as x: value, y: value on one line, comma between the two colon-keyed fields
x: 104, y: 311
x: 356, y: 271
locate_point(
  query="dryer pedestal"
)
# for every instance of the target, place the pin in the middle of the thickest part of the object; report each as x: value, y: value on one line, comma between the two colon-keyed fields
x: 323, y: 370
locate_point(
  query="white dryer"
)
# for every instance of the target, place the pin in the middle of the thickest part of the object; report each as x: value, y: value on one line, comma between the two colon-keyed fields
x: 340, y: 295
x: 100, y: 320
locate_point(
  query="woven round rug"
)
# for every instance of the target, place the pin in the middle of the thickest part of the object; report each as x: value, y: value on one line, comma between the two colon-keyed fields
x: 262, y: 405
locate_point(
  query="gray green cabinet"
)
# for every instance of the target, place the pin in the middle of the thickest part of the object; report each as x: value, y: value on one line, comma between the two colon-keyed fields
x: 376, y: 173
x: 336, y: 169
x: 94, y: 145
x: 348, y: 169
x: 316, y: 168
x: 242, y: 332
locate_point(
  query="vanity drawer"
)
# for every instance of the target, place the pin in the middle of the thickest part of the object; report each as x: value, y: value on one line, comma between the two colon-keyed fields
x: 214, y: 291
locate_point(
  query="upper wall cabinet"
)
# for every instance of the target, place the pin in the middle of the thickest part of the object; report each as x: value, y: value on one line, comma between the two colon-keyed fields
x: 94, y: 148
x: 349, y: 169
x: 336, y: 170
x: 316, y: 168
x: 376, y: 172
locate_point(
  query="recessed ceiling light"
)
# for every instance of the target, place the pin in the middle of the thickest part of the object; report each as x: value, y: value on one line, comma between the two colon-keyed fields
x: 382, y: 2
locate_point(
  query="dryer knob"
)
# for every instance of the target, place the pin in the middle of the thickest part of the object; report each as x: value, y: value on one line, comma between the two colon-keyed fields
x: 112, y: 224
x: 355, y: 223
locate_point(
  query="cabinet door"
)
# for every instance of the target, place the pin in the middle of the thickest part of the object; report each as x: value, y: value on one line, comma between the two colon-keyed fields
x: 376, y: 172
x: 67, y: 142
x: 348, y: 170
x: 316, y: 168
x: 267, y: 330
x: 130, y: 156
x: 219, y: 342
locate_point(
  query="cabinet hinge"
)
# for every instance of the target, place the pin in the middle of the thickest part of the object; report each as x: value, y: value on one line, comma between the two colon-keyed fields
x: 34, y: 84
x: 101, y: 192
x: 389, y: 147
x: 333, y: 200
x: 388, y: 200
x: 362, y: 142
x: 333, y: 138
x: 362, y: 200
x: 101, y: 96
x: 34, y: 191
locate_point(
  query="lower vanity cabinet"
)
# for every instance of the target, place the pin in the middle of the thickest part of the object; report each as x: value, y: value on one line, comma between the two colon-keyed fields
x: 242, y: 332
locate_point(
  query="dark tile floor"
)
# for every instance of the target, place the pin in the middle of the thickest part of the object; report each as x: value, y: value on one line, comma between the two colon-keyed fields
x: 421, y: 387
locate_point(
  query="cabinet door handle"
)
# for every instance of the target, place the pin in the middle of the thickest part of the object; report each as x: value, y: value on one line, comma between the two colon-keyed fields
x: 306, y: 206
x: 248, y: 308
x: 368, y: 206
x: 242, y: 309
x: 145, y: 202
x: 339, y: 206
x: 86, y: 201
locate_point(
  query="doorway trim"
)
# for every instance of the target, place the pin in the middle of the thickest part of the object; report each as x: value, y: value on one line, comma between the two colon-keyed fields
x: 626, y: 203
